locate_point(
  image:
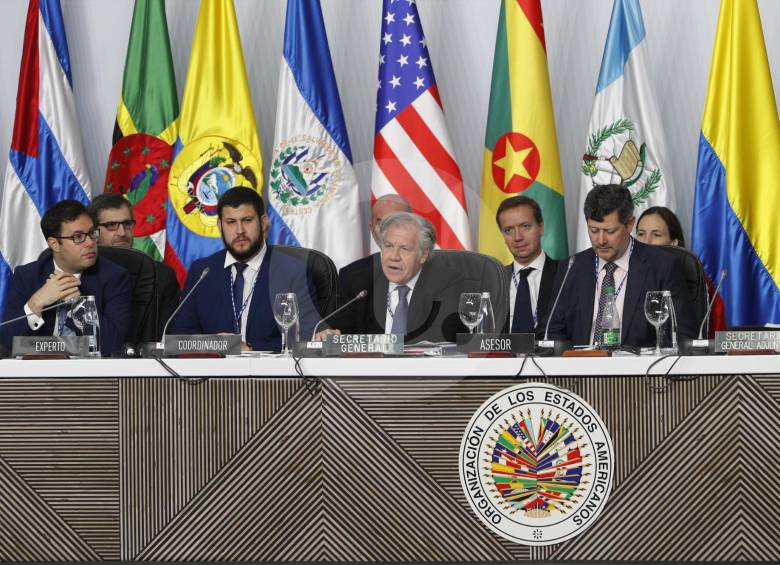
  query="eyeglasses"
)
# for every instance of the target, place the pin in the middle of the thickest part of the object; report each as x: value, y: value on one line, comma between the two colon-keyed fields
x: 113, y: 226
x: 80, y: 237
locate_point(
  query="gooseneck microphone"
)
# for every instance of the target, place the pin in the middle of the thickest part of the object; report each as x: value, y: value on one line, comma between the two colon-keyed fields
x: 558, y: 297
x: 706, y: 319
x: 172, y: 316
x: 359, y: 296
x: 51, y: 307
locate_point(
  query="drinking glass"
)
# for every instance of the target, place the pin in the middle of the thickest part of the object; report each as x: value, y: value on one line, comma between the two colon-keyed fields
x: 657, y: 308
x: 285, y: 314
x: 85, y: 317
x: 469, y: 309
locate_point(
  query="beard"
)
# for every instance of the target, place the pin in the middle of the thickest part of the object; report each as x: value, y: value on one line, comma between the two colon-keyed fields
x: 243, y: 256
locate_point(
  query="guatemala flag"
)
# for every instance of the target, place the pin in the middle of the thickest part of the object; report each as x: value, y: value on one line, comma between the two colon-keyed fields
x: 46, y: 162
x: 625, y: 145
x: 312, y: 190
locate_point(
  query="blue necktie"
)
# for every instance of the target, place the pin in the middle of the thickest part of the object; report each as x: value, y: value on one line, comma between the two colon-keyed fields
x: 401, y: 311
x: 64, y: 322
x: 523, y: 316
x: 238, y: 292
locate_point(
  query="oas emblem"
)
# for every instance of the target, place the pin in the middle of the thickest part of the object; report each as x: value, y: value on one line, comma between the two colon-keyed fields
x: 305, y: 174
x: 613, y: 154
x: 204, y: 170
x: 536, y: 464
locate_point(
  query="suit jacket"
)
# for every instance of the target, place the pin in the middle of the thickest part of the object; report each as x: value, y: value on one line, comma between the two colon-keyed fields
x: 167, y: 294
x: 106, y: 281
x: 210, y: 310
x: 649, y: 268
x: 546, y: 296
x: 433, y: 309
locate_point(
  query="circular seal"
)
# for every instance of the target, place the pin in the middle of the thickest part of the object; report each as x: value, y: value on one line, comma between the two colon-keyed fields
x: 516, y: 162
x: 536, y: 464
x: 305, y: 174
x: 203, y: 171
x: 138, y: 168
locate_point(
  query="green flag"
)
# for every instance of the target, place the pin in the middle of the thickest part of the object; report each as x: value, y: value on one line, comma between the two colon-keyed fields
x: 146, y: 126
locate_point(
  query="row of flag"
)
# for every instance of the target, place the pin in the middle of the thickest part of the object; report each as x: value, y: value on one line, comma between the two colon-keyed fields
x: 174, y: 163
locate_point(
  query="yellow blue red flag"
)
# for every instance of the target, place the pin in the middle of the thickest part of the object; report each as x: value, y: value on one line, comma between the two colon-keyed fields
x: 736, y: 199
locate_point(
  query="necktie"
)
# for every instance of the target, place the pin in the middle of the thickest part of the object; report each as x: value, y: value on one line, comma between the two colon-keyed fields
x: 609, y: 281
x: 238, y: 293
x: 523, y: 317
x: 65, y: 323
x: 401, y: 311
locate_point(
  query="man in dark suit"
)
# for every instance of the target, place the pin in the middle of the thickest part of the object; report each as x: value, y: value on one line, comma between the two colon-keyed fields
x: 409, y: 293
x: 617, y: 260
x: 72, y: 269
x: 531, y: 275
x: 237, y: 294
x: 113, y: 214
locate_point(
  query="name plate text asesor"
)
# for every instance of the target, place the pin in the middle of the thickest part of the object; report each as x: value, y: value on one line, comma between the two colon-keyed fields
x: 345, y: 344
x: 495, y: 343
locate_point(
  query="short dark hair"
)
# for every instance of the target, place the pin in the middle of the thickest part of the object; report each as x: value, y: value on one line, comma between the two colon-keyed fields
x: 108, y: 201
x: 516, y: 201
x: 62, y: 211
x: 603, y: 199
x: 239, y: 195
x: 672, y: 222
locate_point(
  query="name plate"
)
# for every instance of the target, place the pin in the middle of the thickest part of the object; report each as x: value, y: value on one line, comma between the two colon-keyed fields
x: 70, y: 345
x: 346, y: 344
x: 229, y: 344
x: 746, y: 340
x: 496, y: 343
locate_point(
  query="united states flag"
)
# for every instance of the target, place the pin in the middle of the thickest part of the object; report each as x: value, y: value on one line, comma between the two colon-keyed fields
x: 413, y: 154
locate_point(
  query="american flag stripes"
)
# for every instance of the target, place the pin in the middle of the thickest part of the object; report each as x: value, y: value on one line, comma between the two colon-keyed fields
x: 413, y: 154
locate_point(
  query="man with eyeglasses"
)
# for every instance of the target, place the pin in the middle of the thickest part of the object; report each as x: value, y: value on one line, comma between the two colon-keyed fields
x: 69, y: 269
x: 113, y: 214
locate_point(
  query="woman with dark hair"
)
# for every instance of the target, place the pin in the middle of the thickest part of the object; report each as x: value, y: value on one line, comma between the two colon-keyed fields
x: 659, y: 226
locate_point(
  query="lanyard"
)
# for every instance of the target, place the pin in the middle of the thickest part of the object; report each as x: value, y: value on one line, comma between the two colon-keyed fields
x: 596, y: 269
x: 237, y: 316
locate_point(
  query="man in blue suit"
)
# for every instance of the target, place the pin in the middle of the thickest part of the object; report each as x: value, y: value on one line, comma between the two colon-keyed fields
x: 632, y: 268
x: 72, y: 268
x: 236, y: 296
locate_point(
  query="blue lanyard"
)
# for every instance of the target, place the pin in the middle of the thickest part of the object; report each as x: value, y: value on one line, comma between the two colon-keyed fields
x: 237, y: 316
x: 596, y: 269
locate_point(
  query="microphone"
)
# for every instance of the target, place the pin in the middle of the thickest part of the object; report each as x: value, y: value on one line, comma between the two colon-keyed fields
x: 359, y: 296
x: 557, y: 298
x: 706, y: 319
x: 203, y: 274
x: 51, y: 307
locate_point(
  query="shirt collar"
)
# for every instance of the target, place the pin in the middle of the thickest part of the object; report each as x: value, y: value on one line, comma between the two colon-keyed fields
x: 58, y: 270
x: 413, y: 281
x: 254, y: 263
x: 537, y: 264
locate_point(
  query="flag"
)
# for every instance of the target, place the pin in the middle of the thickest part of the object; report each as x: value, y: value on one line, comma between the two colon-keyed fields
x: 217, y: 147
x: 313, y: 198
x: 46, y: 161
x: 625, y: 143
x: 145, y: 129
x: 413, y: 154
x: 521, y: 148
x: 736, y: 197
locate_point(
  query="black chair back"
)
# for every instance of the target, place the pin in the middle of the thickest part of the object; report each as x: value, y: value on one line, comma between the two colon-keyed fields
x: 324, y: 274
x: 693, y: 273
x: 481, y: 273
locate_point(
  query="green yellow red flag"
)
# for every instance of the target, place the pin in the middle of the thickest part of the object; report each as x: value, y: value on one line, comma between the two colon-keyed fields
x: 521, y: 147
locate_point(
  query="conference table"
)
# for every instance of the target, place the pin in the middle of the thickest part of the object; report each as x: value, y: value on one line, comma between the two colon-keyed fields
x: 272, y: 458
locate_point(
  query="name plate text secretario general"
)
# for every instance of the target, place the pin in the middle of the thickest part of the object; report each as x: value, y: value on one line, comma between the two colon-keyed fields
x: 351, y: 344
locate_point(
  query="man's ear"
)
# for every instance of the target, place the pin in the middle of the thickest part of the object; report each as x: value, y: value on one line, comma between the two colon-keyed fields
x: 53, y: 243
x: 266, y: 224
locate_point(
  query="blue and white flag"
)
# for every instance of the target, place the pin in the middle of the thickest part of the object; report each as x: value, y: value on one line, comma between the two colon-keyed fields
x: 625, y: 142
x: 46, y: 162
x: 312, y: 190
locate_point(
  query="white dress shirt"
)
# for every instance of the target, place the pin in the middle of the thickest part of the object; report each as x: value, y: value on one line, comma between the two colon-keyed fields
x: 621, y: 280
x: 250, y: 276
x: 392, y: 293
x: 534, y: 281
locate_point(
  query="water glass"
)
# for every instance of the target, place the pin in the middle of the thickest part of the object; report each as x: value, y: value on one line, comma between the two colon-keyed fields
x: 84, y: 314
x: 285, y: 314
x: 657, y: 309
x: 470, y: 309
